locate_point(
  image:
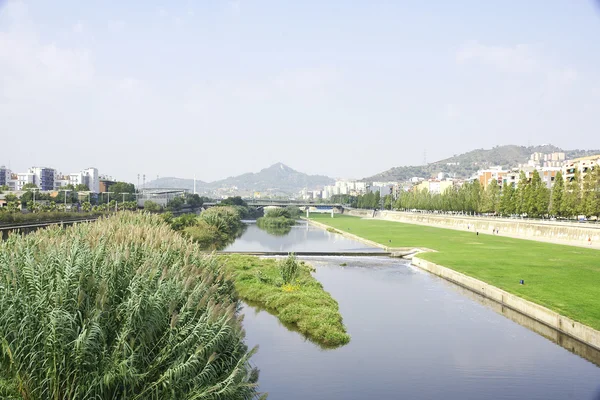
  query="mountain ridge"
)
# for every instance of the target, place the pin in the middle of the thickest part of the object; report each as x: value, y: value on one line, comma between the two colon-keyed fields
x: 275, y: 179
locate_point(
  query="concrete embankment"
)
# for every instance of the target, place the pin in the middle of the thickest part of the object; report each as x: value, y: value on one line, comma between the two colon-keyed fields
x: 551, y: 231
x: 539, y: 313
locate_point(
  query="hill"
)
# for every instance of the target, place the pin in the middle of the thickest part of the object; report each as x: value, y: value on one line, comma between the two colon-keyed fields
x: 278, y: 179
x: 467, y: 164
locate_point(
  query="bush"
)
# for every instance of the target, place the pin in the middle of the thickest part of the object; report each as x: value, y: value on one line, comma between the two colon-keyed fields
x: 226, y: 219
x: 206, y: 236
x: 184, y: 221
x: 124, y: 308
x: 151, y: 206
x: 288, y: 269
x: 10, y: 218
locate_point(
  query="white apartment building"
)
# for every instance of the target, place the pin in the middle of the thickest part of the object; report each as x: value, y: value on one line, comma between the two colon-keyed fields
x: 21, y: 180
x: 48, y: 179
x: 88, y: 177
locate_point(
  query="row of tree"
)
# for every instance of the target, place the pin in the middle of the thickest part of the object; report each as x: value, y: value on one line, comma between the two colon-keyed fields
x: 530, y: 197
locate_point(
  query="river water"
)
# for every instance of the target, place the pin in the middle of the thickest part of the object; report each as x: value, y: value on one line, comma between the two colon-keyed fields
x: 414, y: 336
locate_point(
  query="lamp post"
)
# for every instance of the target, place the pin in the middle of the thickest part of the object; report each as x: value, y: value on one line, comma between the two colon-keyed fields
x: 34, y: 189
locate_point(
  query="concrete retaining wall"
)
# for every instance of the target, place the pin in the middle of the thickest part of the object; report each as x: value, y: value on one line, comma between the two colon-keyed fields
x: 548, y: 230
x: 542, y: 314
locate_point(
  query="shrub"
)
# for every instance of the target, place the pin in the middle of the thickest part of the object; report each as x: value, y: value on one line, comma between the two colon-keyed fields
x: 288, y: 269
x: 184, y: 221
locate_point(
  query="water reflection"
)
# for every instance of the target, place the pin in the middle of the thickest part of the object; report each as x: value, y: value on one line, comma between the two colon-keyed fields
x: 302, y: 237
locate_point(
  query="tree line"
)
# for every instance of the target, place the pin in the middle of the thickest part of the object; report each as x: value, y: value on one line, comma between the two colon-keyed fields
x: 530, y: 197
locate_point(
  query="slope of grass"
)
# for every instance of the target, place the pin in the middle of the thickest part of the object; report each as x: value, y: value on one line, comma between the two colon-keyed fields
x: 302, y: 305
x: 563, y: 278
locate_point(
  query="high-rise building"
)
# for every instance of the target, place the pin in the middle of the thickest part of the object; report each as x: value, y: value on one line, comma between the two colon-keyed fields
x: 43, y: 177
x: 4, y: 175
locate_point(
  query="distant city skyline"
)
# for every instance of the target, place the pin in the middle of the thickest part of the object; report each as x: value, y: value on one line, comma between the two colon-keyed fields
x: 220, y: 88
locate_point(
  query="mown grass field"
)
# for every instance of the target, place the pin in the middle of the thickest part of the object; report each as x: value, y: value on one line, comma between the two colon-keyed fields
x: 303, y: 306
x: 563, y: 278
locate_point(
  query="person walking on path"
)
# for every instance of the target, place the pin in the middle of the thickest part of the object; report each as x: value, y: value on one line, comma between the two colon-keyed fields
x: 589, y: 240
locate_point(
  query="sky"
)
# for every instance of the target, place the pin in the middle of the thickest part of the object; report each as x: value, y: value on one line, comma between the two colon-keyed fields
x: 217, y: 88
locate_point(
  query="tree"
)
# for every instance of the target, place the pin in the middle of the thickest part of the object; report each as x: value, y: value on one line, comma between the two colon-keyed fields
x: 233, y: 201
x: 11, y: 197
x: 491, y: 197
x: 522, y: 194
x: 151, y: 206
x: 590, y: 201
x: 558, y: 192
x: 81, y: 187
x: 123, y: 187
x: 507, y: 200
x: 175, y: 204
x: 387, y: 202
x: 86, y: 206
x: 194, y: 200
x: 376, y: 200
x: 571, y: 204
x: 29, y: 186
x: 537, y: 199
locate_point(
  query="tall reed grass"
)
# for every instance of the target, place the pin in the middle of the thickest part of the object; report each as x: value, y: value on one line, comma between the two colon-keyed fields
x: 123, y: 308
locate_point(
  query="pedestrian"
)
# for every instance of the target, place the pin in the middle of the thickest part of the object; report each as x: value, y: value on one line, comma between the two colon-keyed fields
x: 477, y: 233
x: 589, y: 240
x: 497, y: 231
x: 468, y: 226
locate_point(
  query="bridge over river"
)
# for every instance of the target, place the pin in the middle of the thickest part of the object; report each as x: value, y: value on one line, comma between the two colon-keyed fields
x: 283, y: 203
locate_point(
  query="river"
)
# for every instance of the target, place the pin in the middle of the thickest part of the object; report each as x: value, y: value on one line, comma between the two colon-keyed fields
x: 414, y: 336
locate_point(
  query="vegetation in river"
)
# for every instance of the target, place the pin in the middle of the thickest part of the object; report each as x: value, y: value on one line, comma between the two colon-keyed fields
x: 287, y: 290
x: 560, y: 277
x: 124, y: 308
x: 279, y: 221
x: 213, y: 229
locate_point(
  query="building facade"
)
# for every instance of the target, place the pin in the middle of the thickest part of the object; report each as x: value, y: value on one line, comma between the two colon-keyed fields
x: 4, y: 175
x: 583, y: 165
x: 43, y: 177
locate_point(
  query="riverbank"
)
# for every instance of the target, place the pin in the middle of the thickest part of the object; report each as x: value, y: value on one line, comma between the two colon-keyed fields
x: 568, y: 233
x: 303, y: 305
x: 561, y: 278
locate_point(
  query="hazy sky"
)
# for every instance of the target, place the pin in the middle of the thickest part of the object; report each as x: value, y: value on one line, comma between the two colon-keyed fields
x: 342, y: 88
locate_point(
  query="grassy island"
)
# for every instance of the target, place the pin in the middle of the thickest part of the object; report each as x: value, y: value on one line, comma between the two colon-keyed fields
x: 279, y: 221
x: 287, y: 290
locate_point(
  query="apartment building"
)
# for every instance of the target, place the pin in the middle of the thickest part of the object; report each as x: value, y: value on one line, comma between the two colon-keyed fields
x: 582, y: 164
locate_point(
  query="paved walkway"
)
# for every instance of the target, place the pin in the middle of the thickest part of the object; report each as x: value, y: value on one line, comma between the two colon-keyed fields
x: 568, y: 242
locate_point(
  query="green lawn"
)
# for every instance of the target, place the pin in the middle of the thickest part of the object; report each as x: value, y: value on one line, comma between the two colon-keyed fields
x: 563, y: 278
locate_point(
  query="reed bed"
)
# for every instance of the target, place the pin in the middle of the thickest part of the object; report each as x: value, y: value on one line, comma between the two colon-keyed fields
x: 123, y: 308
